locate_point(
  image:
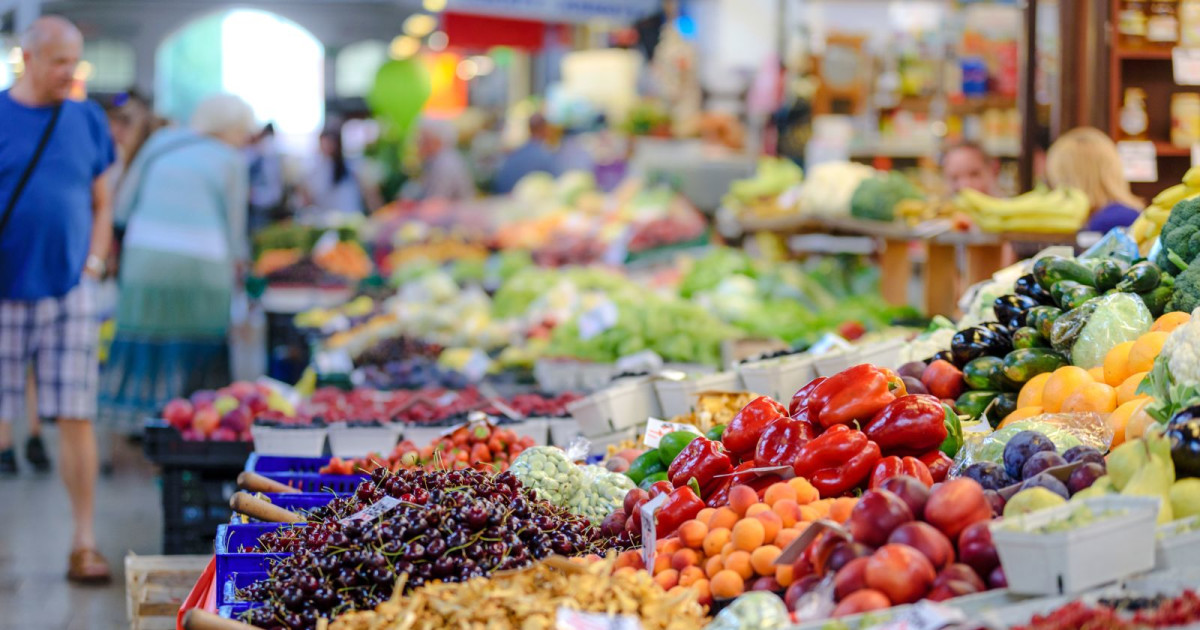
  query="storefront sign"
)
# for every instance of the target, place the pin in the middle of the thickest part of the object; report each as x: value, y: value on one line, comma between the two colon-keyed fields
x: 1139, y: 159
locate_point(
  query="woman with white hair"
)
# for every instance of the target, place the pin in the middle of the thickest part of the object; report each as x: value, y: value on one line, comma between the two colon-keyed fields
x: 183, y: 206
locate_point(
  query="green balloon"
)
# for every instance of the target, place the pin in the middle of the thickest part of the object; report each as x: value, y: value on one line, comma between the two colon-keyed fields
x: 399, y: 94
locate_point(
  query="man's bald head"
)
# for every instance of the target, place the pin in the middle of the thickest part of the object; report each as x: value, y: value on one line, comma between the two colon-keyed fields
x: 51, y: 48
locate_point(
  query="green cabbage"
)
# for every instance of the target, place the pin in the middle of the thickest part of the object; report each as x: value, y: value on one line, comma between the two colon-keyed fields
x: 1119, y: 317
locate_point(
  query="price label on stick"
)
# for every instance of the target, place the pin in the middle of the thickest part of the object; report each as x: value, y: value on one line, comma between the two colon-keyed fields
x: 656, y: 429
x: 570, y: 619
x: 1139, y: 160
x: 373, y: 511
x: 1185, y: 65
x: 650, y: 528
x: 598, y: 319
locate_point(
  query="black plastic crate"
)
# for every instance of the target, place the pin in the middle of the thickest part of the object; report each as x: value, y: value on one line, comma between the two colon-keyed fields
x: 165, y: 446
x: 194, y: 503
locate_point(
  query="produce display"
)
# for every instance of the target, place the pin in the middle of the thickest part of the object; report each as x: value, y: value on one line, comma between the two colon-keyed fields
x: 480, y: 446
x: 1149, y: 224
x: 1122, y: 614
x: 225, y: 414
x: 1057, y: 211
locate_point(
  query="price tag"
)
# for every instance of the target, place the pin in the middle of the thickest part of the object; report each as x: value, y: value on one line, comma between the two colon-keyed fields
x: 333, y: 362
x: 598, y: 319
x: 1185, y: 65
x: 656, y: 429
x: 926, y: 615
x: 569, y: 619
x: 1196, y: 154
x: 791, y: 553
x: 477, y: 365
x: 650, y: 528
x: 373, y: 511
x: 1139, y: 160
x: 326, y: 243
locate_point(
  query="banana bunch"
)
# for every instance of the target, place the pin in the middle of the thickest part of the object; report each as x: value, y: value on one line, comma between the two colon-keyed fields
x: 1050, y: 211
x: 1149, y: 224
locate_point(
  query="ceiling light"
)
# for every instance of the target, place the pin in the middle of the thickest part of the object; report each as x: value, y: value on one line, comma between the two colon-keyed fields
x: 438, y: 40
x: 403, y: 47
x: 467, y: 69
x: 433, y: 6
x: 419, y: 24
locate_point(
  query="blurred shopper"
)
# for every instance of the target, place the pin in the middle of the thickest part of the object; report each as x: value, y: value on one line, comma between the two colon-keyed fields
x: 183, y: 205
x: 334, y: 183
x: 1087, y: 159
x: 968, y: 166
x: 531, y: 157
x: 444, y: 172
x: 132, y: 121
x: 573, y: 153
x: 266, y: 179
x: 54, y: 234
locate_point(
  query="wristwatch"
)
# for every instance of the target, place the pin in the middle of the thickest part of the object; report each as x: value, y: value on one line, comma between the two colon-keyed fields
x: 95, y: 264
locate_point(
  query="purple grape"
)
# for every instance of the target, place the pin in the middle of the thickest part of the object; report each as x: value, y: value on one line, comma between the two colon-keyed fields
x: 989, y: 475
x: 1021, y: 447
x: 1083, y: 477
x: 1039, y: 462
x: 1047, y: 481
x: 1083, y: 453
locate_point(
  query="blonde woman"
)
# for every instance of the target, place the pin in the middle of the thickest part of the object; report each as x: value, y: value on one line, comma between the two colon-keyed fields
x: 1085, y: 158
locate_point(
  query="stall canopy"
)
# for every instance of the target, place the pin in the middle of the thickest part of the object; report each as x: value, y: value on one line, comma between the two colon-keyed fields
x: 471, y: 31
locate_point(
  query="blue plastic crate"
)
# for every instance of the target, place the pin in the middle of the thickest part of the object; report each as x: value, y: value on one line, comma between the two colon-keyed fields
x: 294, y: 502
x: 311, y: 482
x: 263, y: 464
x: 231, y: 562
x: 233, y: 611
x: 227, y: 590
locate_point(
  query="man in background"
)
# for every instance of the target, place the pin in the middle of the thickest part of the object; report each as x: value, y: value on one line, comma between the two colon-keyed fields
x: 55, y: 232
x: 531, y: 157
x: 444, y: 172
x: 968, y: 166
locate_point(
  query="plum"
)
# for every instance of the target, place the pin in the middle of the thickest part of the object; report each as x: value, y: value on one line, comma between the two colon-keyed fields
x: 1083, y: 477
x: 1021, y: 447
x: 876, y: 514
x: 1039, y: 462
x: 996, y: 500
x: 1049, y: 482
x: 913, y: 385
x: 990, y: 475
x: 1083, y: 453
x: 910, y: 490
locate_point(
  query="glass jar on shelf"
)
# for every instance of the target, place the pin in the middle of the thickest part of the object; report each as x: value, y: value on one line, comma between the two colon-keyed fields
x: 1131, y: 22
x: 1162, y: 23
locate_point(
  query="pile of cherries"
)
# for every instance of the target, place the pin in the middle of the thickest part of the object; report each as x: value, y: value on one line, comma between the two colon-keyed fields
x: 449, y: 526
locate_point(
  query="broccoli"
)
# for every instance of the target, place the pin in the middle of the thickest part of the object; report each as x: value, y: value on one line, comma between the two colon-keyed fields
x: 1187, y: 289
x: 1180, y: 237
x: 876, y: 198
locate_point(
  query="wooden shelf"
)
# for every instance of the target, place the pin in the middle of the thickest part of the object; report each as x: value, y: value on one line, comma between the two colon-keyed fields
x: 1166, y: 149
x: 1144, y: 53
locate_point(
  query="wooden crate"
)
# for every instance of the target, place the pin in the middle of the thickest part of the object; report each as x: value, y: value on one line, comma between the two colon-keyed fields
x: 155, y: 587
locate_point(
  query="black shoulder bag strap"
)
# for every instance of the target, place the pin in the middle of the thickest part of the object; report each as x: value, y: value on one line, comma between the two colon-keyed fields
x: 29, y: 168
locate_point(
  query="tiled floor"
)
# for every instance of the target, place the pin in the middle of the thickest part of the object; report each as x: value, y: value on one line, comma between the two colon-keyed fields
x: 35, y: 530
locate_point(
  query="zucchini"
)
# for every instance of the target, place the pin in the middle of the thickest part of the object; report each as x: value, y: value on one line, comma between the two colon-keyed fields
x: 979, y: 373
x: 1066, y: 328
x: 1026, y: 363
x: 1045, y: 318
x: 1050, y: 270
x: 1073, y: 294
x: 1156, y: 300
x: 1029, y: 337
x: 1001, y: 406
x: 1107, y: 273
x: 973, y: 403
x: 1140, y: 278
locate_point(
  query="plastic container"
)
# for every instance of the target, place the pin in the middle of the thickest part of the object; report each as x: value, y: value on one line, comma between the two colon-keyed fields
x: 194, y: 502
x: 232, y: 562
x: 263, y: 464
x: 233, y: 611
x: 300, y: 501
x: 677, y: 398
x: 536, y: 428
x: 314, y: 482
x: 595, y: 376
x: 563, y: 430
x: 622, y: 405
x: 425, y: 434
x: 556, y: 375
x: 305, y: 442
x: 1107, y: 549
x: 1177, y: 544
x: 227, y: 590
x: 600, y: 443
x: 882, y: 353
x: 164, y: 445
x: 778, y: 378
x: 829, y: 364
x: 346, y: 441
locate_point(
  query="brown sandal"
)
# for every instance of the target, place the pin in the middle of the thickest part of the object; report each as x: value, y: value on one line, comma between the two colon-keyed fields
x: 87, y: 566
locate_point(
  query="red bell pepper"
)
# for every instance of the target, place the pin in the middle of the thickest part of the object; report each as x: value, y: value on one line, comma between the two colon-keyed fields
x: 742, y: 476
x: 659, y: 487
x: 895, y: 466
x: 719, y: 495
x: 702, y: 459
x: 741, y: 436
x: 938, y: 463
x: 799, y: 405
x: 682, y: 505
x: 909, y: 425
x: 780, y: 443
x: 857, y: 393
x: 837, y: 461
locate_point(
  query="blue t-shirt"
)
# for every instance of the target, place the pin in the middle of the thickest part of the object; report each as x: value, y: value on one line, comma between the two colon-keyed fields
x: 45, y: 245
x: 1113, y: 215
x: 530, y: 158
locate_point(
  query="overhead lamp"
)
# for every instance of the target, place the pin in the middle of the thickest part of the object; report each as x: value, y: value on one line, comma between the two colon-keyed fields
x: 419, y: 24
x: 433, y: 6
x: 403, y: 47
x: 467, y: 69
x: 483, y: 65
x: 438, y: 40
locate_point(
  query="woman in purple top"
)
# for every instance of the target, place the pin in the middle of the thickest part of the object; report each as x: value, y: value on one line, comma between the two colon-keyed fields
x: 1085, y: 158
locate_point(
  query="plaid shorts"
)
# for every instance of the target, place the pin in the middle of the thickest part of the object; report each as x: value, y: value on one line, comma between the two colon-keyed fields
x: 59, y: 336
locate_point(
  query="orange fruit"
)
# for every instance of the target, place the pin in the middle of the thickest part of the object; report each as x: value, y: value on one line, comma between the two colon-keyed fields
x: 662, y: 562
x: 671, y: 545
x: 1097, y: 373
x: 1021, y: 413
x: 778, y: 492
x: 667, y: 579
x: 1061, y: 384
x: 724, y: 517
x: 739, y: 562
x: 692, y: 533
x: 749, y: 534
x: 756, y: 509
x: 808, y: 513
x: 1139, y: 421
x: 1127, y: 390
x: 703, y: 595
x: 741, y: 498
x: 788, y: 511
x: 1096, y: 397
x: 690, y: 576
x: 785, y: 575
x: 805, y: 492
x: 684, y: 558
x: 1031, y: 392
x: 763, y: 559
x: 1116, y: 364
x: 1119, y: 419
x: 771, y: 525
x: 1145, y: 350
x: 786, y: 536
x: 840, y: 509
x: 727, y: 549
x: 713, y: 566
x: 1170, y: 321
x: 705, y: 515
x: 726, y: 584
x: 715, y: 540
